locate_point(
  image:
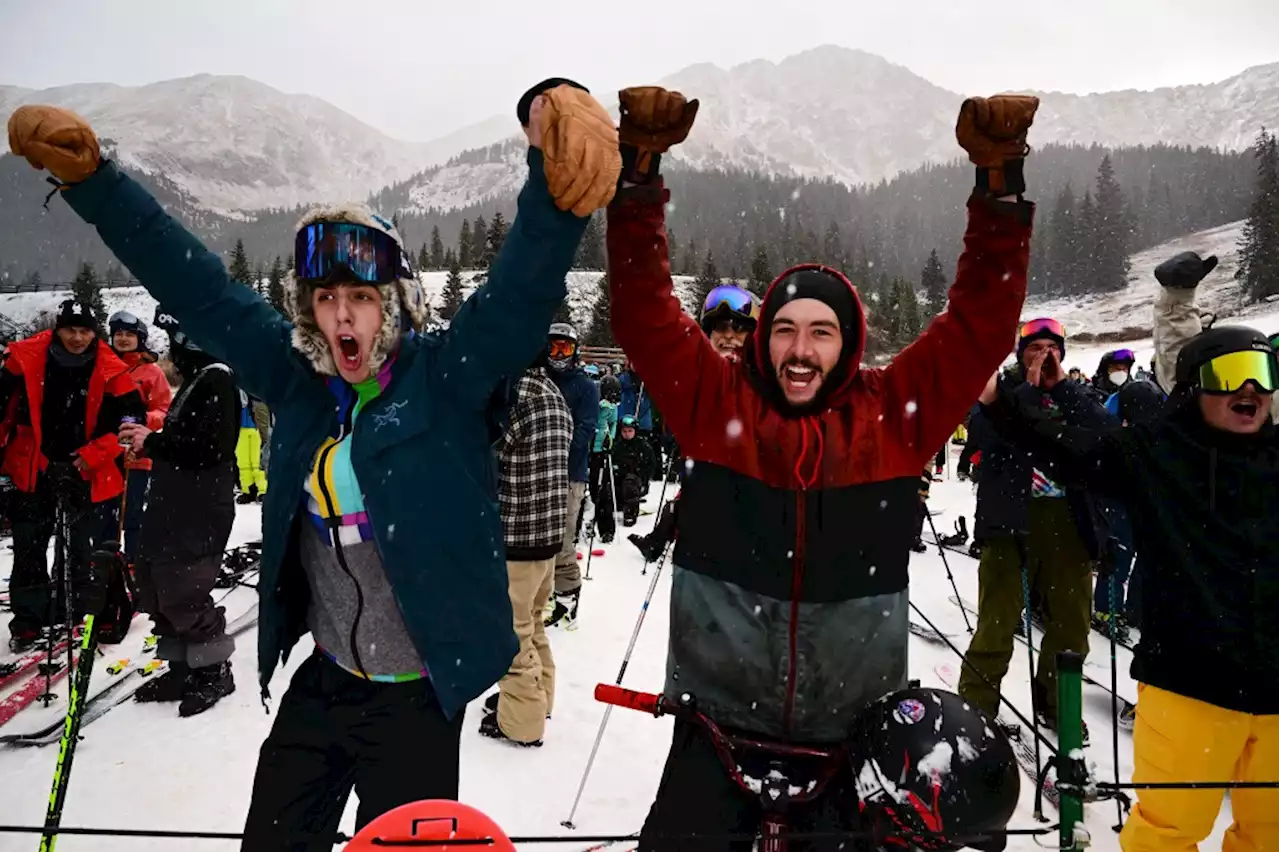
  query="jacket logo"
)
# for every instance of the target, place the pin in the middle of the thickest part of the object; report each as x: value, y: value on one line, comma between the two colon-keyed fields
x: 390, y: 414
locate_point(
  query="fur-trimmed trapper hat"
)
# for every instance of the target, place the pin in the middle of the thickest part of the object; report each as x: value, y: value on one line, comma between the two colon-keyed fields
x: 404, y: 305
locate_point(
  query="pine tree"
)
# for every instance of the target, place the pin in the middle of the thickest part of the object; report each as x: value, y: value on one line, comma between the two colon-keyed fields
x: 424, y: 259
x: 760, y: 275
x: 1111, y: 233
x: 450, y: 258
x: 690, y: 264
x: 31, y: 283
x: 464, y: 245
x: 563, y: 314
x: 833, y: 247
x: 906, y: 314
x: 239, y: 269
x: 452, y: 294
x: 275, y: 285
x: 1086, y: 245
x: 87, y: 288
x: 1259, y: 272
x: 591, y: 248
x: 497, y: 235
x: 708, y: 280
x: 1060, y: 275
x: 435, y: 259
x: 479, y: 243
x: 601, y: 332
x: 114, y: 277
x: 933, y: 281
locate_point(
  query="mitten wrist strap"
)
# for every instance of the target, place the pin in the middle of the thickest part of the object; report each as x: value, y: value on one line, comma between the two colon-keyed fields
x: 1006, y: 179
x: 639, y: 166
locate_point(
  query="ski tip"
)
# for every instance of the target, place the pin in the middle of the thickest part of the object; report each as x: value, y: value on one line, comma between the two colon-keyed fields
x: 598, y: 552
x: 418, y: 823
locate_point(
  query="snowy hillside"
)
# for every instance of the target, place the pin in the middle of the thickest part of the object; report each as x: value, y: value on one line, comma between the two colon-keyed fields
x: 235, y: 143
x: 1126, y: 315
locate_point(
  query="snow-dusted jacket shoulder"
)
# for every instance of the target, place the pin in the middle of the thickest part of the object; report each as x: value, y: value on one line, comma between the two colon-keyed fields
x: 422, y: 452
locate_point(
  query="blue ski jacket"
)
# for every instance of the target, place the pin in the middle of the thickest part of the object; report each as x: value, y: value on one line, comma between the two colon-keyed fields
x: 422, y: 452
x: 583, y: 397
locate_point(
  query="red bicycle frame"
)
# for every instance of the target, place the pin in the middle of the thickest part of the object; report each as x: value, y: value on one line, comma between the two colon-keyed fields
x: 774, y: 792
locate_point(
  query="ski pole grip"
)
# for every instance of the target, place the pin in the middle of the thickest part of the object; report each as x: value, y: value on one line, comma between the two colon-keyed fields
x: 647, y: 702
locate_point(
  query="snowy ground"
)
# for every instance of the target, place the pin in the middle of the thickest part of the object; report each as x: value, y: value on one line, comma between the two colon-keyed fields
x: 142, y: 766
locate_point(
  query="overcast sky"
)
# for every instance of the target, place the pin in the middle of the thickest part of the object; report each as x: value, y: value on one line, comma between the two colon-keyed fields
x: 420, y: 68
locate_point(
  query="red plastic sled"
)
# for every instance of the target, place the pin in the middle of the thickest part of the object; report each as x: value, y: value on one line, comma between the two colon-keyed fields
x: 416, y: 824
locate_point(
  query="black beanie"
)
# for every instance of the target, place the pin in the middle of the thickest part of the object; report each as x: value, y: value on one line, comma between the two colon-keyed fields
x: 74, y: 313
x: 526, y: 100
x: 813, y: 283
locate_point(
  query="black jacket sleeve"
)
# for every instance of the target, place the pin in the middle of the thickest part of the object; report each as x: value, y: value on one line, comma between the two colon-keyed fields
x: 115, y: 408
x: 200, y: 432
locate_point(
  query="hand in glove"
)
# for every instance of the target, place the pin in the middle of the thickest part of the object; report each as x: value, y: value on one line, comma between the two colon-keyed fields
x: 1185, y: 270
x: 994, y: 132
x: 579, y: 149
x: 653, y: 119
x: 55, y: 139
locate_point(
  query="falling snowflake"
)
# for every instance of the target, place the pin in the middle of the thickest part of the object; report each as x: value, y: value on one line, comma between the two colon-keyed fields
x: 791, y: 289
x: 911, y: 407
x: 884, y: 504
x: 688, y: 464
x: 871, y: 571
x: 733, y: 428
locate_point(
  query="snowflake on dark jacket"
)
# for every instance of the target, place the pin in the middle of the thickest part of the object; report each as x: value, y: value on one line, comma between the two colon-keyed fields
x: 533, y: 469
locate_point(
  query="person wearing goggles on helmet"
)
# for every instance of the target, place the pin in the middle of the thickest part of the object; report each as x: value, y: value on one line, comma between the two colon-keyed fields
x: 729, y: 315
x: 129, y: 342
x: 768, y: 595
x: 1200, y: 483
x: 404, y: 589
x: 1113, y: 371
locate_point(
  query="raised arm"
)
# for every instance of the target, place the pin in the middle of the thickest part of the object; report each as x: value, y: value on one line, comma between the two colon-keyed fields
x: 934, y: 381
x: 1176, y: 317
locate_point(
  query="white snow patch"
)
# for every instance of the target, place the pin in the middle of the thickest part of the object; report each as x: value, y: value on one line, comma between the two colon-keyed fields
x: 937, y: 762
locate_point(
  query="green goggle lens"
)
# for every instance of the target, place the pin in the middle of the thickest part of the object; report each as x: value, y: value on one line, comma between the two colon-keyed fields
x: 1230, y: 372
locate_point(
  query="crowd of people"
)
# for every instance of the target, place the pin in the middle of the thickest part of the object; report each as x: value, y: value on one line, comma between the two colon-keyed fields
x: 428, y: 490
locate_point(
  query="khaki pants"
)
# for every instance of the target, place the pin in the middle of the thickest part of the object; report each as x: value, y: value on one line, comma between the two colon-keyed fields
x: 528, y: 689
x: 1059, y: 572
x: 568, y: 574
x: 1176, y: 738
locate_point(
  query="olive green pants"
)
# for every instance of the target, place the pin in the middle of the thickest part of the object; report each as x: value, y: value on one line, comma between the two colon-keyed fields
x: 1058, y: 571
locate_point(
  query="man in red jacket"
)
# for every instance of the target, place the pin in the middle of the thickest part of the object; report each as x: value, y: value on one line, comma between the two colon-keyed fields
x: 789, y: 579
x: 63, y: 393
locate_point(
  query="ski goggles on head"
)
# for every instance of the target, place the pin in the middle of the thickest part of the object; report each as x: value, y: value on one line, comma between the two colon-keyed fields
x: 369, y: 255
x: 124, y: 318
x: 1035, y: 326
x: 731, y: 300
x: 561, y: 348
x: 1230, y: 372
x: 1123, y: 356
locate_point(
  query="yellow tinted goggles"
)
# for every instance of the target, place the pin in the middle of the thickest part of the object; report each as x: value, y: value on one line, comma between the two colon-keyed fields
x: 1230, y: 372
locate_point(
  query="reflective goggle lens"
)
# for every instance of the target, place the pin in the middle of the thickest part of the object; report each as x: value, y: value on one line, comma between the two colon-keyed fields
x: 732, y: 298
x: 370, y: 255
x: 1232, y: 371
x: 123, y: 318
x: 561, y: 348
x: 1048, y: 324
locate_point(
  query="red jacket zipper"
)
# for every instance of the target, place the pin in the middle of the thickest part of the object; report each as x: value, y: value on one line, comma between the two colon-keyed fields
x: 797, y: 582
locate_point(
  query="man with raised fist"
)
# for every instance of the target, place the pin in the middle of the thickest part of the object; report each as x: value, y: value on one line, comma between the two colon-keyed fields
x: 789, y: 583
x: 403, y: 588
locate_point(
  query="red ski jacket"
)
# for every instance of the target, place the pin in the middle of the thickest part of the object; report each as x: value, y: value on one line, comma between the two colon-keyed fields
x: 156, y: 394
x: 789, y: 585
x: 21, y: 434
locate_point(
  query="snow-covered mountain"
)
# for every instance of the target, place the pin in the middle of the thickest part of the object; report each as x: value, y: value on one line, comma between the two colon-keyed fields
x: 234, y: 143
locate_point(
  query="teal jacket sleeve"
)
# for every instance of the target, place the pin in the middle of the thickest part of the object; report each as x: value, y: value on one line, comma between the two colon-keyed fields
x: 611, y: 422
x: 230, y: 321
x: 500, y: 330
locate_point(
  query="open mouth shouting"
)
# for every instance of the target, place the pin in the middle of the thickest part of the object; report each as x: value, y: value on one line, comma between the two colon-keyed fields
x: 800, y: 378
x: 350, y: 357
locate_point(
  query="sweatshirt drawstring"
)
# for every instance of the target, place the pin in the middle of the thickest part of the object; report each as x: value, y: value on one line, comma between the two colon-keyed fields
x: 812, y: 479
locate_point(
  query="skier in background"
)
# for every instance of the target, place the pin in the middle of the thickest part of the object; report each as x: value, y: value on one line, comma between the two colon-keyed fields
x: 794, y: 434
x: 188, y: 520
x: 253, y: 479
x: 63, y: 394
x: 583, y: 398
x: 533, y: 495
x: 601, y: 482
x: 129, y: 342
x: 633, y: 468
x: 1113, y: 372
x: 403, y: 588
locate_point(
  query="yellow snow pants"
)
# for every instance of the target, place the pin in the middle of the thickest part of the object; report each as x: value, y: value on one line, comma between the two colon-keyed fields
x: 249, y: 460
x: 1176, y: 738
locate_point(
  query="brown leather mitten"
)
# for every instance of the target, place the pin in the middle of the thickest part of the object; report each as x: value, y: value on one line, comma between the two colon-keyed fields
x: 55, y: 139
x: 580, y: 150
x: 653, y: 119
x: 994, y: 133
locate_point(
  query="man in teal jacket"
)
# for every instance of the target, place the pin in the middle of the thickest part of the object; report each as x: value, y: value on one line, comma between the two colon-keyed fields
x: 381, y: 533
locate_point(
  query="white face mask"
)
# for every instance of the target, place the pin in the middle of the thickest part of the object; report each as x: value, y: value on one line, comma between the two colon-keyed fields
x: 1119, y: 377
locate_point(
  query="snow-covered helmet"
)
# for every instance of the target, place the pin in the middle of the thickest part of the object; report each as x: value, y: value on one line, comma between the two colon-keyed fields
x: 352, y: 241
x: 932, y: 770
x: 562, y: 346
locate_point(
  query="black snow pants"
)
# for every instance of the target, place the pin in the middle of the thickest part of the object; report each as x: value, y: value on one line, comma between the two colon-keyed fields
x: 697, y: 796
x: 601, y: 487
x: 184, y: 534
x: 36, y: 598
x: 336, y: 731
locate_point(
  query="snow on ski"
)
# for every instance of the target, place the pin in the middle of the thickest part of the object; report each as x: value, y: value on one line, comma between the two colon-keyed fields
x: 12, y: 671
x: 30, y: 691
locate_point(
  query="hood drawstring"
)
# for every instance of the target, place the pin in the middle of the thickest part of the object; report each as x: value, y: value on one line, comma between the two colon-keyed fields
x: 1213, y: 479
x: 812, y: 479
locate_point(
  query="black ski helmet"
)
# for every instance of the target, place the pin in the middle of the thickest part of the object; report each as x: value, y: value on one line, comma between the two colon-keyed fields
x: 1140, y: 402
x: 611, y: 388
x: 1215, y: 341
x: 933, y: 770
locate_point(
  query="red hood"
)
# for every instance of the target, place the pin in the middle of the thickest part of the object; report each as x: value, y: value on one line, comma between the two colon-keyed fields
x: 850, y: 356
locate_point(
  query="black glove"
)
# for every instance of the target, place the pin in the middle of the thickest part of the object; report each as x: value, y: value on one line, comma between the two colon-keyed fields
x: 1185, y: 270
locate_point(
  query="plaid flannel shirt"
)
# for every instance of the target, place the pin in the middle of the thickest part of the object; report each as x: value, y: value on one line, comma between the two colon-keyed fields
x: 533, y: 469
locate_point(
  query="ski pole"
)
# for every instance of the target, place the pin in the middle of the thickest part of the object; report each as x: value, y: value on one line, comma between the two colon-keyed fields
x: 662, y: 500
x: 613, y: 490
x: 626, y: 659
x: 1021, y: 543
x: 945, y: 564
x: 591, y: 537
